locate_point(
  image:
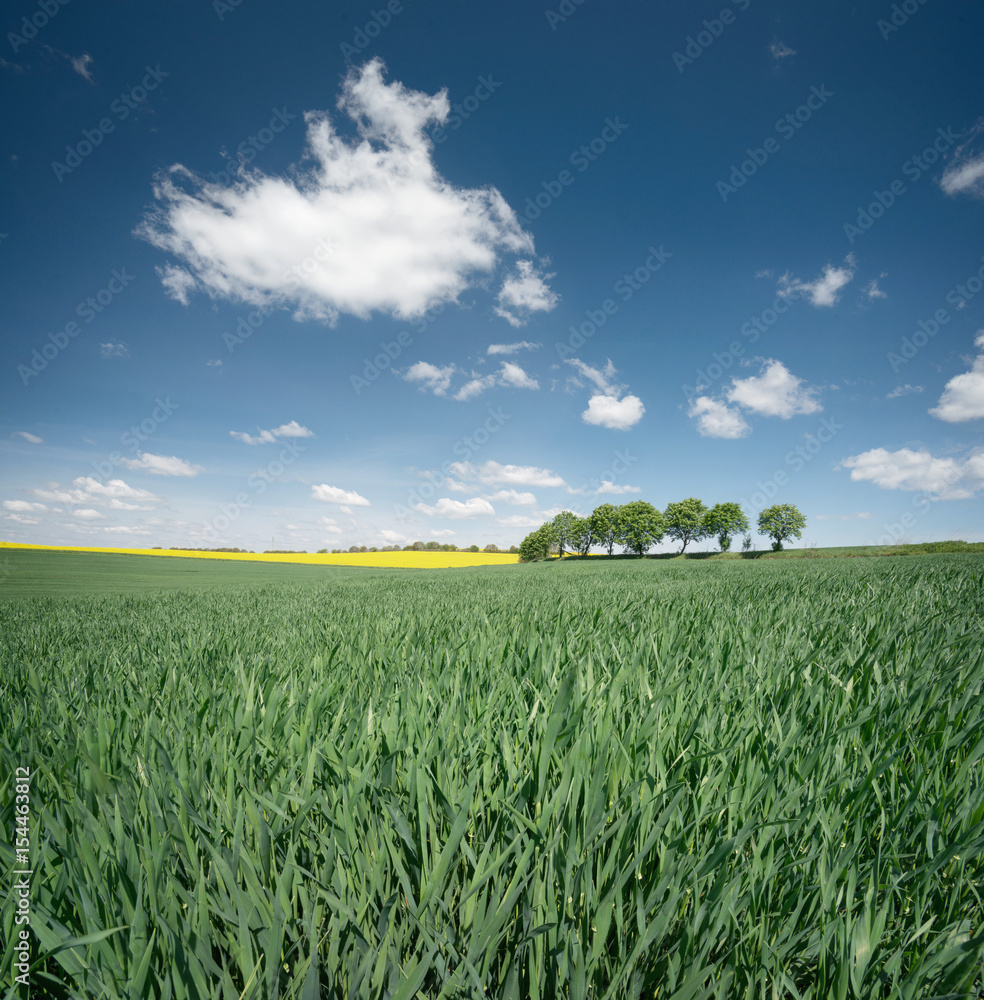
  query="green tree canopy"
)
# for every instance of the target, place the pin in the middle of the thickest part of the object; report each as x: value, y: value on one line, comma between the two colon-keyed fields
x: 536, y: 545
x: 685, y: 521
x: 724, y: 520
x: 780, y: 522
x: 581, y: 537
x: 564, y: 525
x: 604, y: 526
x: 640, y: 526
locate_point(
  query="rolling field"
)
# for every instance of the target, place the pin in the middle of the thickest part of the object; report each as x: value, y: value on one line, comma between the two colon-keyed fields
x: 721, y: 778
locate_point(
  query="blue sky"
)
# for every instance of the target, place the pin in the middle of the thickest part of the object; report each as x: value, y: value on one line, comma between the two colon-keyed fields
x: 311, y: 276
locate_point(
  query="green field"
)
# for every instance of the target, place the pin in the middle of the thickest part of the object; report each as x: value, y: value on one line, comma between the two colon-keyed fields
x: 646, y: 778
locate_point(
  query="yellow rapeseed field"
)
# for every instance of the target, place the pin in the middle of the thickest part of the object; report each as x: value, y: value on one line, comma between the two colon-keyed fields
x: 388, y: 560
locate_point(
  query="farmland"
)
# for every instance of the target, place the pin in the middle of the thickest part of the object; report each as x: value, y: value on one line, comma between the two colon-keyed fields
x: 729, y: 778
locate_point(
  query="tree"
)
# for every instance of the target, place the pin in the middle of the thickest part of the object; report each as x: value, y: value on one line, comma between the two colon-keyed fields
x: 685, y: 521
x: 640, y: 526
x: 724, y: 520
x: 536, y: 545
x: 604, y: 525
x: 472, y: 548
x: 780, y: 522
x: 564, y: 524
x: 581, y: 537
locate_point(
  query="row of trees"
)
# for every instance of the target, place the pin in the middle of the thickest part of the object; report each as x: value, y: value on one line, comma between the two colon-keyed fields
x: 421, y: 547
x: 638, y: 525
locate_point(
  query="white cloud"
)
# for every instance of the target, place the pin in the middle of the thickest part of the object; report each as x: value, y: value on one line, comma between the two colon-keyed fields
x: 522, y: 345
x: 963, y: 396
x: 122, y: 529
x: 29, y: 438
x: 862, y: 516
x: 774, y: 393
x: 90, y: 491
x: 22, y: 519
x: 608, y: 488
x: 88, y: 514
x: 392, y: 536
x: 456, y: 509
x: 903, y: 390
x: 81, y: 66
x: 780, y: 50
x: 112, y: 350
x: 494, y: 474
x: 824, y: 291
x: 873, y: 291
x: 291, y: 430
x: 717, y: 419
x: 524, y: 291
x: 345, y: 510
x: 614, y: 413
x: 607, y: 408
x: 161, y: 465
x: 403, y: 238
x: 520, y: 521
x: 475, y: 387
x: 442, y: 533
x: 177, y: 282
x: 23, y: 506
x: 512, y: 374
x: 430, y: 376
x: 910, y: 470
x: 514, y: 497
x: 333, y: 494
x: 965, y: 174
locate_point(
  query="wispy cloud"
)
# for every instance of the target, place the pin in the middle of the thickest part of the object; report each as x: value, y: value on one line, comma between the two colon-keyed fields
x: 161, y: 465
x: 81, y: 66
x: 289, y: 430
x: 456, y: 509
x: 334, y: 494
x: 523, y: 292
x: 522, y: 345
x: 608, y: 407
x: 824, y: 290
x: 965, y: 174
x: 28, y: 437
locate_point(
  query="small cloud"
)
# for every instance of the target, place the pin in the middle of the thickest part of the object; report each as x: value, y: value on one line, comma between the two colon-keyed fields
x: 614, y: 413
x: 114, y: 350
x: 963, y: 395
x: 456, y: 509
x: 763, y: 274
x: 522, y: 345
x: 523, y: 292
x: 23, y: 506
x: 161, y: 465
x: 88, y: 514
x: 965, y: 175
x: 493, y: 474
x: 780, y: 50
x: 81, y: 66
x: 333, y: 494
x: 178, y: 283
x: 903, y: 390
x: 873, y: 291
x: 216, y: 363
x: 608, y: 488
x: 862, y: 516
x: 430, y: 377
x: 776, y: 392
x: 290, y: 430
x: 512, y: 374
x: 514, y: 497
x: 392, y: 536
x: 717, y: 419
x: 825, y: 290
x: 475, y: 387
x: 29, y: 438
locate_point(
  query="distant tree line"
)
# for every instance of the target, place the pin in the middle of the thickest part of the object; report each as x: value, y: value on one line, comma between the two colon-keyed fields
x: 421, y: 547
x: 637, y: 526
